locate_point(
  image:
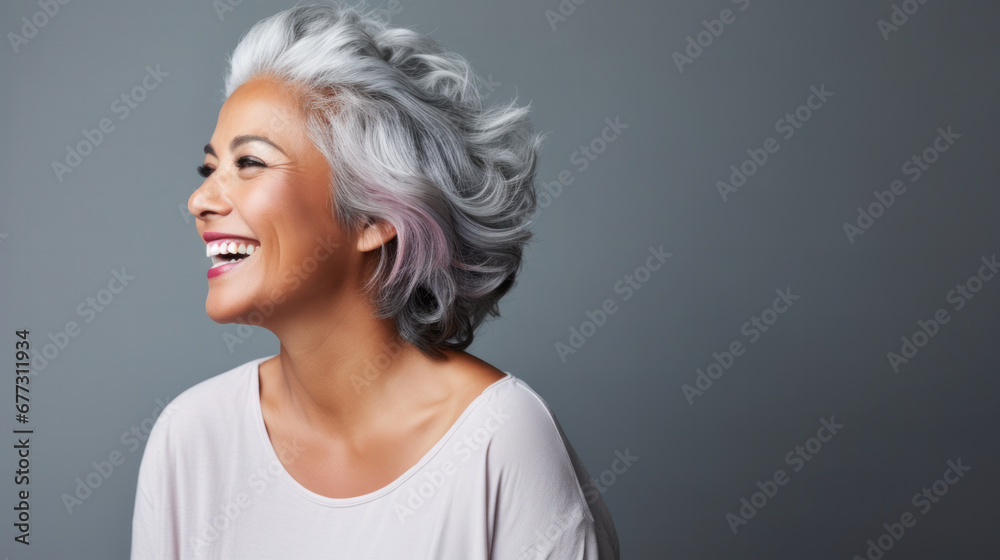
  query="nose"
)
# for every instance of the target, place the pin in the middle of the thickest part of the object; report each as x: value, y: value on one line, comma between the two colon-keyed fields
x: 210, y: 197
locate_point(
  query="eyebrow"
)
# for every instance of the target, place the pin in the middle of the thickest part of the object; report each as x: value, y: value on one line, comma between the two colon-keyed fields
x: 240, y: 140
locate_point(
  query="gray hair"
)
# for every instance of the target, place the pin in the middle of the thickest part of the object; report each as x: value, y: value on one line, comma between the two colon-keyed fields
x: 410, y: 143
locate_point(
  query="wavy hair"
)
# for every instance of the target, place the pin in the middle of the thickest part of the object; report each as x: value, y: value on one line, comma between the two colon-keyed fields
x: 410, y: 143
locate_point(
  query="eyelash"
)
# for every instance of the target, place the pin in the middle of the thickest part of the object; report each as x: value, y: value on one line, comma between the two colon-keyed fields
x: 205, y: 170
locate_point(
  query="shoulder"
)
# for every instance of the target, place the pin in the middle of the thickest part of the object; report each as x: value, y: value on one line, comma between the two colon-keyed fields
x: 525, y: 418
x: 467, y: 375
x: 527, y: 443
x: 206, y: 419
x: 214, y: 402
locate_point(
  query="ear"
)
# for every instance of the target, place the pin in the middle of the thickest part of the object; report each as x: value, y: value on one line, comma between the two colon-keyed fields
x: 374, y: 235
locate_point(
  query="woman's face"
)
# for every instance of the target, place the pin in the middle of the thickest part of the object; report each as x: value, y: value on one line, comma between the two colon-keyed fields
x: 267, y: 198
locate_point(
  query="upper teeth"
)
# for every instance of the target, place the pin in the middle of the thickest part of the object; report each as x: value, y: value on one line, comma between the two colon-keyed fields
x: 229, y: 248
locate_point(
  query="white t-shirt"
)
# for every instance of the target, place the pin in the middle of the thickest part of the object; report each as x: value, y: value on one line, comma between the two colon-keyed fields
x: 503, y: 483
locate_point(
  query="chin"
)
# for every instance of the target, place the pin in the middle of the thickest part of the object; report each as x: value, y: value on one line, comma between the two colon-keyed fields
x: 232, y: 306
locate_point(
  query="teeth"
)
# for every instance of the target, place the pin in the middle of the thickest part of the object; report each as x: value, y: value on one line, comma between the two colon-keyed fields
x: 229, y: 248
x: 219, y: 260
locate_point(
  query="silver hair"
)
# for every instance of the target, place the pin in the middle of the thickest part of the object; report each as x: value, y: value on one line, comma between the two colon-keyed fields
x: 410, y: 143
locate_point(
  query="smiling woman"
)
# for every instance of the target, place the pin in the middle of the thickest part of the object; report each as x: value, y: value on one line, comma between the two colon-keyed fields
x: 262, y: 192
x: 398, y: 206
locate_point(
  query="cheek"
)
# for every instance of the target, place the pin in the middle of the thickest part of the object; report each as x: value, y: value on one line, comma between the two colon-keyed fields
x: 295, y: 219
x: 281, y: 203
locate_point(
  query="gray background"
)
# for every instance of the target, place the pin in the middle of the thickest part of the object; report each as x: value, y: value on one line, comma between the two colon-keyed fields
x: 655, y: 184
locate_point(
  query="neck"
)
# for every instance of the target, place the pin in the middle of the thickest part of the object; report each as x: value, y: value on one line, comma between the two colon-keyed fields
x: 340, y: 369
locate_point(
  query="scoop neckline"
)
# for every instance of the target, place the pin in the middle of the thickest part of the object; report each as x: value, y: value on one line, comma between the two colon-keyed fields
x: 375, y: 494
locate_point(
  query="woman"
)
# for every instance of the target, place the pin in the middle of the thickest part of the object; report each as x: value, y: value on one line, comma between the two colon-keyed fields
x: 360, y: 203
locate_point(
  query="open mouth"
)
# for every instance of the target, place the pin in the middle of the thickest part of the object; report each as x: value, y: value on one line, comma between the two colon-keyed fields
x: 225, y: 252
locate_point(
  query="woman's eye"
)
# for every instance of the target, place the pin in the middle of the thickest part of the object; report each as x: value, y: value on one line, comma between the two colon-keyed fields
x: 241, y: 162
x: 247, y: 161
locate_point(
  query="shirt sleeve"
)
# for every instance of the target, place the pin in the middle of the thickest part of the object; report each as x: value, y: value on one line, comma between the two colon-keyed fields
x: 152, y: 526
x: 540, y: 510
